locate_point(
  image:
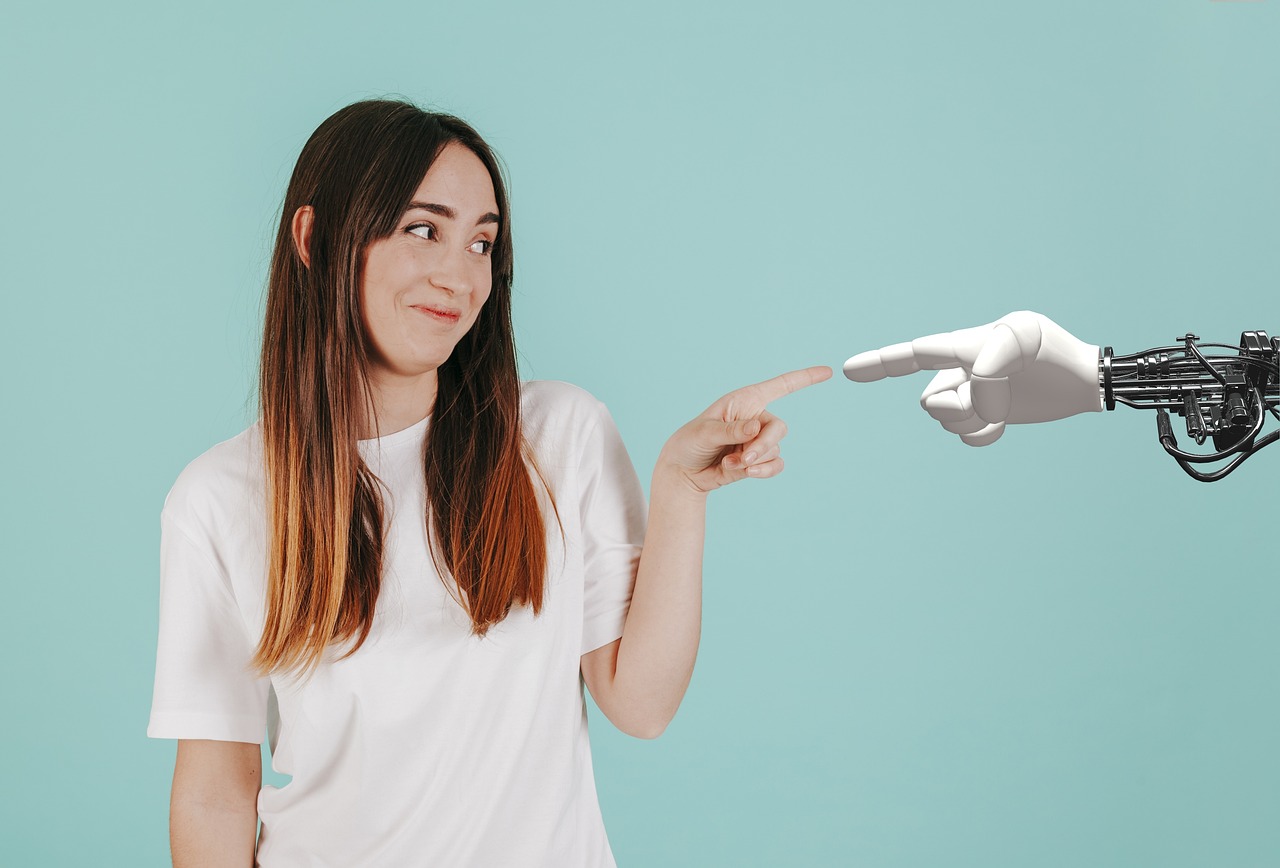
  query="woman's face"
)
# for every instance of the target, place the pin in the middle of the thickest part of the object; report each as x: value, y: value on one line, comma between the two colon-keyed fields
x: 423, y: 286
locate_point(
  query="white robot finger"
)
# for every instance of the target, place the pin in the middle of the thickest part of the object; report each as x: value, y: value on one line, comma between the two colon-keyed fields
x: 984, y: 437
x: 949, y: 406
x: 992, y: 397
x: 1006, y: 352
x: 950, y: 349
x: 898, y: 360
x: 865, y: 367
x: 970, y: 425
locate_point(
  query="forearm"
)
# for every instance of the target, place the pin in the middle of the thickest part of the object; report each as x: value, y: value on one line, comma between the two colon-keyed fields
x: 660, y: 639
x: 213, y: 809
x: 212, y: 836
x: 639, y: 680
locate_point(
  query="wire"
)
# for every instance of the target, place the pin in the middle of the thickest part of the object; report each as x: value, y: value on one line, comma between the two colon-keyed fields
x: 1223, y: 471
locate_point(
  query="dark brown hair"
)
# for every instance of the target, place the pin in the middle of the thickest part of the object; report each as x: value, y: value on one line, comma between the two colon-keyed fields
x: 358, y: 172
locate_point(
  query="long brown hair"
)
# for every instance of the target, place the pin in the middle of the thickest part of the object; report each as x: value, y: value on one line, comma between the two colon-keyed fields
x: 358, y: 172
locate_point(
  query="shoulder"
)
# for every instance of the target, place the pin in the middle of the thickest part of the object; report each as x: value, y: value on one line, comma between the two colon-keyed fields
x: 537, y: 393
x: 544, y: 402
x: 559, y: 418
x: 224, y: 482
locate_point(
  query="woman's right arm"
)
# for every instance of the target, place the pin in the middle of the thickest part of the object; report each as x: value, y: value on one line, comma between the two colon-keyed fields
x: 213, y: 810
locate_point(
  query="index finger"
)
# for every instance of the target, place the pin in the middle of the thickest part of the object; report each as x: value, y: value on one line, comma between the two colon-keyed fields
x: 930, y: 353
x: 784, y: 384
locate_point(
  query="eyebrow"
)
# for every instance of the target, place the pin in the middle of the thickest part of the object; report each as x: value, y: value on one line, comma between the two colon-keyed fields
x: 446, y: 211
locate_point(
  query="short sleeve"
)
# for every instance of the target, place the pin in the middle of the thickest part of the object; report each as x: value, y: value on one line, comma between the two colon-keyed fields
x: 613, y: 525
x: 204, y: 687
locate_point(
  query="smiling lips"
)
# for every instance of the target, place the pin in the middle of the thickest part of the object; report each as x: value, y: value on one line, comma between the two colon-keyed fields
x: 446, y: 315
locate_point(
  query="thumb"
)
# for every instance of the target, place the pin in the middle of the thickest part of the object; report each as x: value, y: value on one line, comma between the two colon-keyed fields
x: 718, y: 433
x: 992, y: 398
x: 1004, y: 352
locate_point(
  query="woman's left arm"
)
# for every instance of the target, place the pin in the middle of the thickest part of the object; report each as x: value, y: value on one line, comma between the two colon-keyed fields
x: 639, y: 680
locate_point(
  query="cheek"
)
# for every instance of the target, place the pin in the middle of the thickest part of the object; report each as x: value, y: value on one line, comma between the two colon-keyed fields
x: 372, y: 276
x: 371, y: 309
x: 385, y: 277
x: 480, y: 296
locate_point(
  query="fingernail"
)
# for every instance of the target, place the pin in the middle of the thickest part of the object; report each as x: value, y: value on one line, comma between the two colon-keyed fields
x: 753, y: 471
x: 748, y: 458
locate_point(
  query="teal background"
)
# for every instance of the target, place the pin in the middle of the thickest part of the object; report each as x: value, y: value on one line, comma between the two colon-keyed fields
x: 1057, y: 651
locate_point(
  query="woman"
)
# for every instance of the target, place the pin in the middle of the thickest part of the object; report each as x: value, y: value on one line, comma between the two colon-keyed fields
x: 405, y: 567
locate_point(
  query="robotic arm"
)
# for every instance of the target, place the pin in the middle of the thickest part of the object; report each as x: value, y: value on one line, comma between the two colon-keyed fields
x: 1224, y: 396
x: 1025, y: 368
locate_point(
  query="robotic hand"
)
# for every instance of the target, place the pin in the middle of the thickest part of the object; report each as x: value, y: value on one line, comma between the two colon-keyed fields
x: 1021, y: 368
x: 1025, y: 368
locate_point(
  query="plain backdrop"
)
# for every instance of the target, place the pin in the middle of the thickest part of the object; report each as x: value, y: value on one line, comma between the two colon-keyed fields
x: 1056, y: 651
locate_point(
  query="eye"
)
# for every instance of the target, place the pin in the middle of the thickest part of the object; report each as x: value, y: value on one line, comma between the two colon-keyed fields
x: 422, y: 230
x: 483, y: 246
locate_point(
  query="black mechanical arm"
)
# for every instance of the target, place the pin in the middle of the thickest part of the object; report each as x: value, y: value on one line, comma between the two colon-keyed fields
x: 1222, y: 396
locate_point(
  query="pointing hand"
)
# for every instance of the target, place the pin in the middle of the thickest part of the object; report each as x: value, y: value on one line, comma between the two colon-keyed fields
x: 737, y: 436
x: 1021, y: 368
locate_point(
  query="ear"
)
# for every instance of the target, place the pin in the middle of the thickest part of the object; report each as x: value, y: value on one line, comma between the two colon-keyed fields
x: 303, y: 218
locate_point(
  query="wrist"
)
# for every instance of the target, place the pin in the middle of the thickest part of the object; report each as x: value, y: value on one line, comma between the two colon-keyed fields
x: 1106, y: 399
x: 671, y: 481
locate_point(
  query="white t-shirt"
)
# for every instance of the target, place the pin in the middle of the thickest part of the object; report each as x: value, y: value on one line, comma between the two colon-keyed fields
x: 428, y: 746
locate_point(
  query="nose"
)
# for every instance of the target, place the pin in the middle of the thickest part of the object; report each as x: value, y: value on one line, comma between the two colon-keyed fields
x: 451, y: 273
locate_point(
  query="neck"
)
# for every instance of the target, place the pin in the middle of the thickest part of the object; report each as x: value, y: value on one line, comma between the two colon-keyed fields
x: 399, y: 402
